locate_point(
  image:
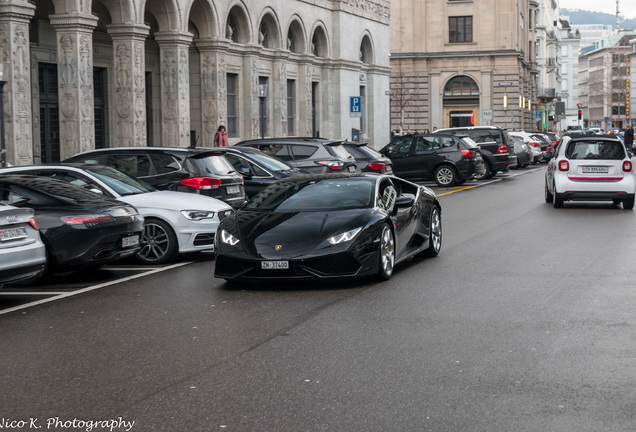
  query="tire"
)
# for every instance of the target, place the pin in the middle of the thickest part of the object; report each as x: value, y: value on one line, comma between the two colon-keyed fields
x: 549, y: 198
x: 628, y: 204
x: 158, y: 242
x: 558, y: 200
x: 435, y: 234
x: 487, y: 174
x: 387, y: 253
x: 460, y: 182
x: 445, y: 176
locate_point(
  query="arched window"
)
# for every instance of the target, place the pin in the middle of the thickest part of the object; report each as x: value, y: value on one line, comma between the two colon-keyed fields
x: 366, y: 52
x: 461, y: 86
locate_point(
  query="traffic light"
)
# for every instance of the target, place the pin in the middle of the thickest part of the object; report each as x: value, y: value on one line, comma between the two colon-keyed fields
x: 579, y: 114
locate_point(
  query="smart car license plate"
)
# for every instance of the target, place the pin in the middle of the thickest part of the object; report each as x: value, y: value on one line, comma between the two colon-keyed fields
x: 232, y: 190
x: 595, y: 169
x: 130, y: 241
x: 274, y: 265
x: 12, y: 233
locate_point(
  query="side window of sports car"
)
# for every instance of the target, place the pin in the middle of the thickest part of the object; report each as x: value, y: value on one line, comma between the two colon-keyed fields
x: 387, y: 196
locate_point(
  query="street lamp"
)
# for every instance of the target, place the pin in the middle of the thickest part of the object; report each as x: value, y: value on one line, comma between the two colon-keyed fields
x: 3, y: 151
x: 262, y: 94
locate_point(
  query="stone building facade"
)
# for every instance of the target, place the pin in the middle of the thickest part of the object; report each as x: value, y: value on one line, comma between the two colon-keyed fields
x: 85, y: 74
x: 463, y: 62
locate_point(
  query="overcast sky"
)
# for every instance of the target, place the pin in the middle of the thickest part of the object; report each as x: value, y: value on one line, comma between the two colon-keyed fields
x: 627, y: 7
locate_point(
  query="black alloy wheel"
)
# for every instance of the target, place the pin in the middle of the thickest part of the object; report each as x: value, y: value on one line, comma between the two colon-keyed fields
x: 158, y: 242
x: 387, y: 253
x: 435, y: 234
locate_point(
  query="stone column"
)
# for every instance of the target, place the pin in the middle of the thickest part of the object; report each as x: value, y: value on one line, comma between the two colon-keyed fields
x: 279, y: 94
x: 252, y: 102
x: 75, y: 82
x: 175, y: 87
x: 213, y: 87
x: 14, y: 45
x: 130, y: 83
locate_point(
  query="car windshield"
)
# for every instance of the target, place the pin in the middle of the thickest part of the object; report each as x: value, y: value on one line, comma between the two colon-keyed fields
x: 315, y: 195
x: 120, y: 182
x: 269, y: 162
x: 608, y: 150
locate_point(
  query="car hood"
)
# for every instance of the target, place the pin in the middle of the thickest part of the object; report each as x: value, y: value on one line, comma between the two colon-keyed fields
x: 171, y: 200
x: 295, y: 233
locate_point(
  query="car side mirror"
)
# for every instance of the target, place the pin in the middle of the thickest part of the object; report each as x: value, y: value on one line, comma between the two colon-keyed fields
x: 97, y: 191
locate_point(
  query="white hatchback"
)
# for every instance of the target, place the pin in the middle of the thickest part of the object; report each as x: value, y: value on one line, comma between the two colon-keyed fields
x: 590, y: 168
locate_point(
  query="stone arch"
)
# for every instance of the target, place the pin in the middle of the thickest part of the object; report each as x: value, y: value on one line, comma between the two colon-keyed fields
x: 295, y: 40
x: 366, y: 49
x: 165, y: 12
x: 202, y: 18
x: 268, y: 34
x: 319, y: 41
x: 120, y: 11
x: 461, y: 101
x: 237, y: 27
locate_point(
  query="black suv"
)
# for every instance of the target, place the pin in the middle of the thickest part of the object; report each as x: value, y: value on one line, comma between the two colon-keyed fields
x: 198, y: 170
x: 316, y: 155
x: 496, y: 146
x: 447, y: 159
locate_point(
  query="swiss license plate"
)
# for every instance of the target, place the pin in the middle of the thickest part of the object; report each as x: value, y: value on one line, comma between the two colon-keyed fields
x: 130, y: 241
x: 595, y: 169
x: 12, y: 233
x: 231, y: 190
x: 273, y: 265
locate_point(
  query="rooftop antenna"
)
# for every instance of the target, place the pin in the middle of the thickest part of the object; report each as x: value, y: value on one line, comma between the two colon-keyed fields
x: 617, y: 13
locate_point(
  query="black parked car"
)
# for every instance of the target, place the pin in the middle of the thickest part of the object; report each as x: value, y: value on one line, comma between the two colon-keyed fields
x: 328, y: 226
x: 316, y: 155
x: 258, y: 169
x: 446, y: 159
x: 205, y: 171
x: 495, y: 145
x: 79, y: 228
x: 368, y: 159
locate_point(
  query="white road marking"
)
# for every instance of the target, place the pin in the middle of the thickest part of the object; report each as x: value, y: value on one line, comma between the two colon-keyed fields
x: 90, y: 288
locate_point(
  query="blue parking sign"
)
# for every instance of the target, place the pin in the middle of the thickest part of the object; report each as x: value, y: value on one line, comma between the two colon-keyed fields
x: 355, y: 106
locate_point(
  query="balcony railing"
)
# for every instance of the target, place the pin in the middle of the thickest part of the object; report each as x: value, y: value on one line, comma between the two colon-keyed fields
x: 546, y: 92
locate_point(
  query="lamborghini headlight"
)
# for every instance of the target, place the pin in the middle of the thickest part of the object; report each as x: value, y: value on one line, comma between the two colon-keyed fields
x: 344, y: 237
x: 228, y: 238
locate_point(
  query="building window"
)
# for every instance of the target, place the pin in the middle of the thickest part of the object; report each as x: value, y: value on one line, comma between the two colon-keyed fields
x: 291, y: 95
x: 232, y: 109
x: 461, y: 29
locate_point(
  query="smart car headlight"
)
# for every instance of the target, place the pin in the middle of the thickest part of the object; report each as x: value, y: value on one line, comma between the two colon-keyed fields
x: 344, y: 237
x: 228, y: 238
x: 197, y: 214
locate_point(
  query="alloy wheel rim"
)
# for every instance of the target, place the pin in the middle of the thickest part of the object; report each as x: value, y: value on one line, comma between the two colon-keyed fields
x: 445, y: 176
x: 388, y: 251
x: 154, y: 242
x: 436, y: 230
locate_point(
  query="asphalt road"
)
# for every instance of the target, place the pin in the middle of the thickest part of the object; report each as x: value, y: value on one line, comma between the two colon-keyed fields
x: 525, y: 322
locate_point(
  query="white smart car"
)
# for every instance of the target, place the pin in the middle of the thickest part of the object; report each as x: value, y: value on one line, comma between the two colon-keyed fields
x: 590, y: 168
x: 174, y: 222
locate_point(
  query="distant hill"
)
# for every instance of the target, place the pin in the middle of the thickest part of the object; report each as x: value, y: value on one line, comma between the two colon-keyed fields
x: 580, y: 17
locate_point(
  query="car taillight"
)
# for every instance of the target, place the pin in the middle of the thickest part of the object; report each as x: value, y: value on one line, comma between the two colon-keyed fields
x: 564, y: 165
x: 33, y: 223
x: 548, y: 149
x: 201, y: 182
x: 377, y: 165
x: 534, y: 144
x: 554, y: 143
x: 468, y: 153
x: 627, y: 166
x: 503, y: 148
x: 334, y: 165
x: 85, y: 219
